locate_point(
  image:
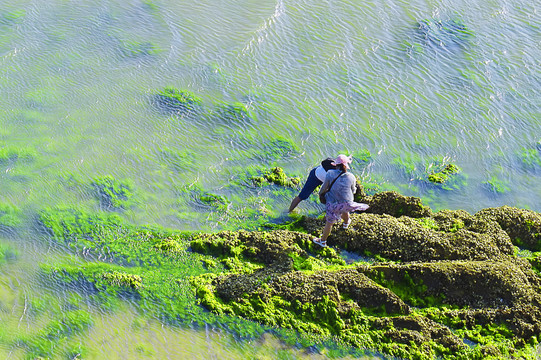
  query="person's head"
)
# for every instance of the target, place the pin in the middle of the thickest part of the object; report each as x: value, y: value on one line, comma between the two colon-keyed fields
x: 342, y: 162
x: 328, y: 164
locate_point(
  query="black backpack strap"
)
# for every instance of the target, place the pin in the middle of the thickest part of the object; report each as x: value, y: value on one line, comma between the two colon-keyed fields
x: 336, y: 178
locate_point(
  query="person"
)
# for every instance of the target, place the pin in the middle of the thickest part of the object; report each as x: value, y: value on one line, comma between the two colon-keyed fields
x: 339, y: 199
x: 315, y: 178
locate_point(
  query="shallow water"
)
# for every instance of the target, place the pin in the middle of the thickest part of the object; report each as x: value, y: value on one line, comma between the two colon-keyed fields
x: 397, y: 79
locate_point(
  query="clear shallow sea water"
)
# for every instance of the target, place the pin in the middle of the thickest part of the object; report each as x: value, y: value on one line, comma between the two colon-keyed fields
x: 77, y: 80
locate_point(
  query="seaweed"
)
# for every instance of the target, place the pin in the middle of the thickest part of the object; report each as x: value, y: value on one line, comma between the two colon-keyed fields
x: 174, y: 101
x: 114, y: 194
x: 235, y: 113
x: 275, y: 176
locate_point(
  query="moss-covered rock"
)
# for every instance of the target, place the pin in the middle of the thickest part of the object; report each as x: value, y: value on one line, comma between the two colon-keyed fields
x: 474, y: 284
x: 523, y: 226
x: 405, y: 239
x: 277, y: 247
x: 275, y: 176
x: 454, y: 276
x: 442, y: 176
x: 394, y: 204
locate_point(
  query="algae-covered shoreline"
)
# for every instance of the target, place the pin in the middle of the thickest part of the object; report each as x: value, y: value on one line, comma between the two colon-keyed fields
x: 445, y: 284
x: 421, y: 285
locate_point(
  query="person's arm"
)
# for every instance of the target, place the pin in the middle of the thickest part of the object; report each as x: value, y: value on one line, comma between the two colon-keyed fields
x: 353, y: 184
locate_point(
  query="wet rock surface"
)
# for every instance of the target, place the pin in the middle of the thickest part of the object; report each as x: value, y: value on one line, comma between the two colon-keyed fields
x: 436, y: 281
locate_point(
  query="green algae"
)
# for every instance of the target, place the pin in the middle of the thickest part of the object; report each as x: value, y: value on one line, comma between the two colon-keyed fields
x: 235, y: 113
x: 275, y: 176
x: 114, y: 194
x: 151, y: 266
x: 202, y: 198
x: 123, y: 279
x: 11, y: 154
x: 444, y: 174
x: 496, y: 185
x: 530, y: 158
x: 247, y: 201
x: 428, y: 223
x: 278, y: 148
x: 229, y: 212
x: 436, y: 171
x: 7, y: 253
x: 134, y: 49
x: 213, y: 199
x: 363, y: 157
x: 178, y: 160
x: 56, y: 335
x: 174, y: 100
x: 535, y: 260
x: 10, y: 216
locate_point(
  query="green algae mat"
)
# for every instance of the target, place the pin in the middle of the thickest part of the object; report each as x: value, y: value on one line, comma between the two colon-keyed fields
x: 423, y: 285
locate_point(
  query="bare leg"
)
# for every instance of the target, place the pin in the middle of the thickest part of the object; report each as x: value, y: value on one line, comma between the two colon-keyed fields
x: 294, y: 203
x: 326, y: 231
x: 345, y: 217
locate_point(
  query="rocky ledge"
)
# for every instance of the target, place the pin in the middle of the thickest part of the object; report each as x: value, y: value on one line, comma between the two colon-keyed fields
x: 401, y: 280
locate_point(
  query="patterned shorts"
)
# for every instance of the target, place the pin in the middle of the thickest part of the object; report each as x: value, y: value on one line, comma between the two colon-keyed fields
x: 334, y: 211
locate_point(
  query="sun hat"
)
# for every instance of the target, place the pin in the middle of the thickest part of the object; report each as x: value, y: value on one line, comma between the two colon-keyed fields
x: 343, y: 159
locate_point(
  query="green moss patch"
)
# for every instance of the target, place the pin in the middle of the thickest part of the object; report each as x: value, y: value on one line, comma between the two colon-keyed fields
x: 177, y: 160
x: 442, y: 176
x: 497, y: 186
x: 235, y: 113
x: 531, y: 158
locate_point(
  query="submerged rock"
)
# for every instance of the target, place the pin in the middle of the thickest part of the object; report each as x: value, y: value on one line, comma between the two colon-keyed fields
x: 177, y: 101
x: 443, y: 33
